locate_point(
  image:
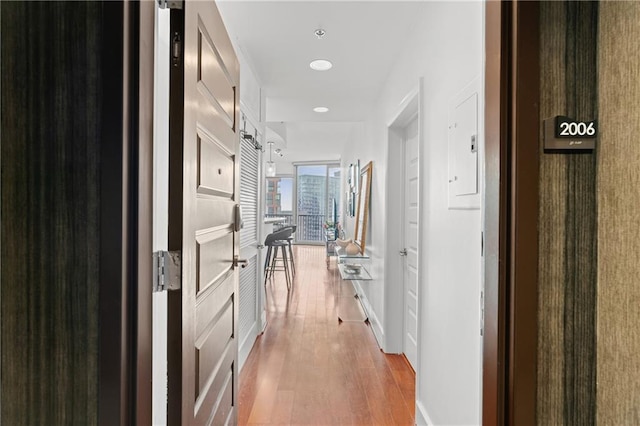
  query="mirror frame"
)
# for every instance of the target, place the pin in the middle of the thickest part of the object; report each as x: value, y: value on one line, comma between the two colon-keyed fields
x: 360, y: 236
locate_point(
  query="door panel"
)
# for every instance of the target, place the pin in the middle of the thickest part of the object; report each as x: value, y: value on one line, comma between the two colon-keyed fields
x: 213, y: 253
x: 212, y: 76
x: 410, y: 345
x: 203, y: 314
x: 215, y: 168
x: 211, y: 347
x: 212, y: 301
x: 211, y: 216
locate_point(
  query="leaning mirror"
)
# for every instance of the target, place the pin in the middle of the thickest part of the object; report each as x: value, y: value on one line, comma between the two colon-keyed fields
x: 362, y: 212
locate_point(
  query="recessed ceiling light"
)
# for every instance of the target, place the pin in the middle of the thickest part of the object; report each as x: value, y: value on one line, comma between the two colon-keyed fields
x: 321, y: 109
x: 320, y: 65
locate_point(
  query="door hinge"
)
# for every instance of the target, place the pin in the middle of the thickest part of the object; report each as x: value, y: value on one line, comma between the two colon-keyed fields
x: 166, y: 270
x: 170, y: 4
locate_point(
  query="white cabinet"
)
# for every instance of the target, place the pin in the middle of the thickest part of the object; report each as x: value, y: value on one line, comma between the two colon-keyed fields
x: 465, y: 149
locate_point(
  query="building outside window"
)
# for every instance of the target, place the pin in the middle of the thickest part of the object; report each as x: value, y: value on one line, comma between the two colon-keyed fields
x: 279, y: 197
x: 306, y: 200
x: 317, y: 187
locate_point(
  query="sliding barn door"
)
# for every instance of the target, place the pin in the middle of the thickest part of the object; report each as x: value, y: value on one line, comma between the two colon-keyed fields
x: 203, y: 222
x: 251, y: 296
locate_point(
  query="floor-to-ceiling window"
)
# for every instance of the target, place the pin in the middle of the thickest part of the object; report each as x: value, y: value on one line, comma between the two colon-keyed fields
x: 317, y: 198
x: 279, y: 198
x: 310, y: 199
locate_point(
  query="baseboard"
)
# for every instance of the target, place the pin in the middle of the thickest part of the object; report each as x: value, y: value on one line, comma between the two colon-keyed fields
x: 264, y: 321
x: 247, y: 344
x: 376, y: 327
x: 422, y: 417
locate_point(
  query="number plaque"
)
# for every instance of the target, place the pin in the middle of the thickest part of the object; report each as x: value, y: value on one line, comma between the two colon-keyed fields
x: 564, y: 133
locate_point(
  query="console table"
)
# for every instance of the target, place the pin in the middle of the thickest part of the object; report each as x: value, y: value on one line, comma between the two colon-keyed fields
x: 352, y: 268
x: 330, y: 245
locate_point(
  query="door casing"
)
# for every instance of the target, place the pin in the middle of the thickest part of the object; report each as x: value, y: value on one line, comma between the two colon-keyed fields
x: 510, y: 213
x: 394, y: 300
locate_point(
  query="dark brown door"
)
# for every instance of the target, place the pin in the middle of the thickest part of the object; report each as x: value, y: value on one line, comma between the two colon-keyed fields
x: 204, y: 188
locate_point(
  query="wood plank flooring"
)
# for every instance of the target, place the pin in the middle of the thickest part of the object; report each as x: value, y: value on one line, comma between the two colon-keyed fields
x: 308, y: 369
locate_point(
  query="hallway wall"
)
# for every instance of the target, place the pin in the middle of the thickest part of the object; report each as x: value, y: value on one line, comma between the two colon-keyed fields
x: 446, y: 49
x: 618, y: 329
x: 589, y: 224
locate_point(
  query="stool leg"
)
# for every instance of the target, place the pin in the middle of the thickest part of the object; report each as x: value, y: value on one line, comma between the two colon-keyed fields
x: 285, y: 261
x: 293, y: 262
x: 266, y: 264
x: 274, y: 257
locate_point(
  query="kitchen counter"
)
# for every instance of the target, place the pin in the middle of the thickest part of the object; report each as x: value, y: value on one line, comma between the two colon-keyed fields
x: 274, y: 219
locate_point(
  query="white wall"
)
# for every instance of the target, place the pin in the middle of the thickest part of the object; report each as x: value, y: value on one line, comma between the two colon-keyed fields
x: 446, y: 49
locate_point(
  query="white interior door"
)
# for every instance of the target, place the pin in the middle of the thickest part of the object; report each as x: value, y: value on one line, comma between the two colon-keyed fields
x: 410, y: 234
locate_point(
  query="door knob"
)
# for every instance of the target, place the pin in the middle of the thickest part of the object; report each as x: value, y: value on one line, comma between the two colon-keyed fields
x: 403, y: 252
x: 242, y: 262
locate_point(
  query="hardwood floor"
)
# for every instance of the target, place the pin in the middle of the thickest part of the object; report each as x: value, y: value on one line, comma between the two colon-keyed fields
x: 309, y: 369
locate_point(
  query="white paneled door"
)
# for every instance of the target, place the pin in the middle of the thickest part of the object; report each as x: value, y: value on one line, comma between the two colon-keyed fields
x: 410, y: 235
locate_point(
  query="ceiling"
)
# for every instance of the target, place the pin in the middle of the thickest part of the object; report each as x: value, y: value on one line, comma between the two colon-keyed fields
x: 277, y: 39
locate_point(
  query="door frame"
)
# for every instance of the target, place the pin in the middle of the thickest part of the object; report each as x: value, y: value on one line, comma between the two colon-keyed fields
x: 510, y: 216
x: 143, y: 162
x: 126, y: 227
x: 392, y: 338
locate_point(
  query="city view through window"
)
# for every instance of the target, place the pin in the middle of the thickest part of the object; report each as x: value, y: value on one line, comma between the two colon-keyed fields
x: 310, y: 205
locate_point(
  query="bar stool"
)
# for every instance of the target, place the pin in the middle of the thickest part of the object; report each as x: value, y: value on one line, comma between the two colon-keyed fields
x: 274, y: 241
x: 290, y: 244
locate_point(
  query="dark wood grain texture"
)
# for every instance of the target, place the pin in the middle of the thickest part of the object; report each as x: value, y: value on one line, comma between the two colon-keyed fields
x: 68, y: 259
x: 568, y: 221
x: 50, y: 212
x: 618, y: 396
x: 307, y: 368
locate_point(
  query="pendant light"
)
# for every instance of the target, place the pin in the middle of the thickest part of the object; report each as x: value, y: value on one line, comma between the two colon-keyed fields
x: 271, y: 166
